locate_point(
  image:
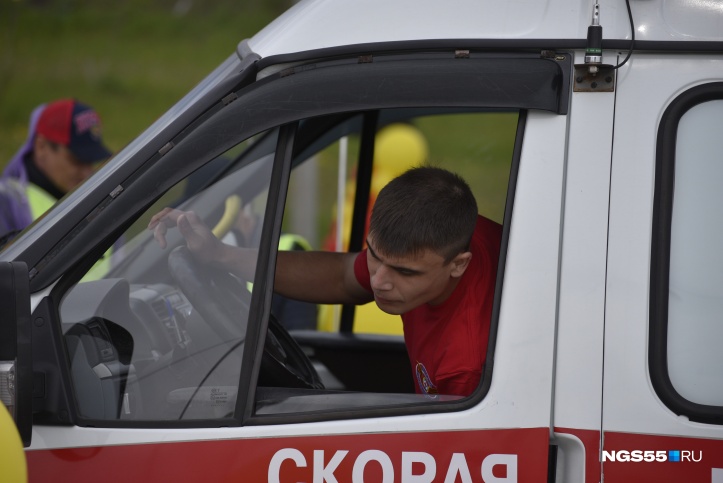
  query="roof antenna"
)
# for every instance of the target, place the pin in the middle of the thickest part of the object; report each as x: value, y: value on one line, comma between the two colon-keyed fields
x: 593, y: 75
x: 593, y: 51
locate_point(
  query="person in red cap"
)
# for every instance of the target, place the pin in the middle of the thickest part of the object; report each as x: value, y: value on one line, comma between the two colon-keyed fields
x: 63, y: 147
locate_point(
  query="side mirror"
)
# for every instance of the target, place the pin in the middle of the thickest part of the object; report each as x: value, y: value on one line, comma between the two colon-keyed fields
x: 16, y: 373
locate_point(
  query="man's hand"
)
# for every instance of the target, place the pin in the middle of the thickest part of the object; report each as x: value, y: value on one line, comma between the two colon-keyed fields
x: 199, y: 239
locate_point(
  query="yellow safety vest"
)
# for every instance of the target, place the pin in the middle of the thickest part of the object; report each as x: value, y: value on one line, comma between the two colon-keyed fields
x: 40, y: 202
x: 288, y: 240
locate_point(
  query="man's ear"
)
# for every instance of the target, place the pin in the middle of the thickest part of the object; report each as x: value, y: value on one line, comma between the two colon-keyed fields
x: 460, y: 264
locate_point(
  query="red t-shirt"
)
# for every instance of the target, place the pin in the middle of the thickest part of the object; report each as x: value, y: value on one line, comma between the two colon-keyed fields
x: 447, y: 343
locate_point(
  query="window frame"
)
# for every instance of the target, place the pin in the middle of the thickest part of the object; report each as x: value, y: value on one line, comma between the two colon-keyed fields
x: 421, y: 407
x: 660, y: 255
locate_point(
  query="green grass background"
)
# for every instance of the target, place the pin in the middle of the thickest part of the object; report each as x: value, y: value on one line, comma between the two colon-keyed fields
x: 133, y: 59
x: 130, y: 59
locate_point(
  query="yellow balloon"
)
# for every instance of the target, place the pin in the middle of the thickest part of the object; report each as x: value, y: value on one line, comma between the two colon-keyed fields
x: 397, y: 148
x: 13, y: 468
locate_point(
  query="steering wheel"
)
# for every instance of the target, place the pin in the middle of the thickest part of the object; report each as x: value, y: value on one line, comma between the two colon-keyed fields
x: 223, y: 301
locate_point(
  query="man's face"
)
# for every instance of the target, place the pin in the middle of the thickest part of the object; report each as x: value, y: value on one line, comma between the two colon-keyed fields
x: 401, y: 284
x: 61, y: 167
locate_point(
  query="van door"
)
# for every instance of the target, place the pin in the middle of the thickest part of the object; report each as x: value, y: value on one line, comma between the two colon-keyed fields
x: 160, y: 370
x: 662, y: 404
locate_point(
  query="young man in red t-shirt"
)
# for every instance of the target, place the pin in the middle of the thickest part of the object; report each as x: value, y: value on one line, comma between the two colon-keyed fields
x: 433, y: 260
x: 430, y: 258
x: 446, y: 338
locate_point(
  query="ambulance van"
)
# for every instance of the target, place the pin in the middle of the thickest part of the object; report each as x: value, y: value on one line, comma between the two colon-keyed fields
x: 591, y: 131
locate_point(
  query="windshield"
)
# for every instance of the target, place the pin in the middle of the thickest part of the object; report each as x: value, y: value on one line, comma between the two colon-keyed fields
x: 184, y: 324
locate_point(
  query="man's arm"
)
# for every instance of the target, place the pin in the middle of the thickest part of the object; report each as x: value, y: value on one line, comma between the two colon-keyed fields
x: 317, y: 277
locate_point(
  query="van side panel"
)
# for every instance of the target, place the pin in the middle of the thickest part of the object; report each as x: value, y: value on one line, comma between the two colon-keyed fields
x: 474, y: 456
x: 634, y: 417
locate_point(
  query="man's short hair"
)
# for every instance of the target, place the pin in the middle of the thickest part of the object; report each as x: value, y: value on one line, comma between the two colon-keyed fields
x: 426, y: 208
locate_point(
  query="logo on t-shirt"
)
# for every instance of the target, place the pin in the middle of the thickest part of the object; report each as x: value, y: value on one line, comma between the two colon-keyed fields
x: 425, y: 382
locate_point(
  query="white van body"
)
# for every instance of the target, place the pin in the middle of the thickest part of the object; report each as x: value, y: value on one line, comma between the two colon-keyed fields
x: 596, y: 373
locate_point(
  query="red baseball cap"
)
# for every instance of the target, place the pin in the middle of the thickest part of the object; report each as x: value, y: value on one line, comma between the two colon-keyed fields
x: 76, y: 126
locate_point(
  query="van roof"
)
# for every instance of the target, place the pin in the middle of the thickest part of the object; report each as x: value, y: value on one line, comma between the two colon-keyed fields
x: 321, y: 24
